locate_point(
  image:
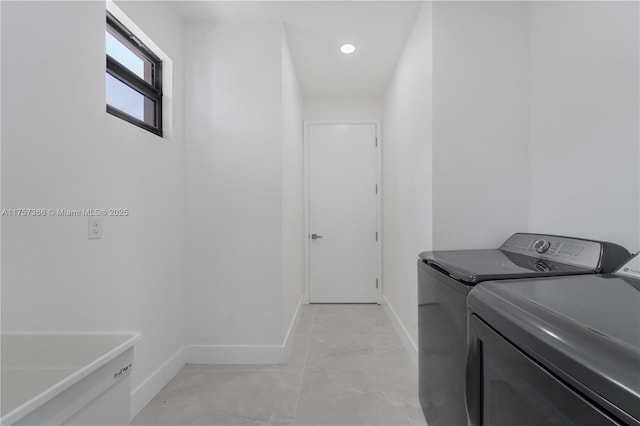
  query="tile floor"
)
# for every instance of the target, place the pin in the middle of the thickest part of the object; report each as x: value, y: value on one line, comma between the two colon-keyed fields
x: 347, y: 367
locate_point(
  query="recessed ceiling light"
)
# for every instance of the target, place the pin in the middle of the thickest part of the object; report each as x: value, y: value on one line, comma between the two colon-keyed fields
x: 347, y: 48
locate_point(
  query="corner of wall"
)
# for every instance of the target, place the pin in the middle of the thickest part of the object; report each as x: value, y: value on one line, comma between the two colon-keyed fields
x: 409, y: 344
x: 407, y: 176
x: 246, y: 354
x: 292, y: 203
x: 158, y: 379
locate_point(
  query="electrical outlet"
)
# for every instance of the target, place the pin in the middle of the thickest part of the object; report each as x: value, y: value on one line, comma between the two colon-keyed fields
x: 95, y: 228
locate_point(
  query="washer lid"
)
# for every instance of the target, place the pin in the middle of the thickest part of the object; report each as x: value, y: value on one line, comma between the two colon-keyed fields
x: 473, y: 266
x: 586, y: 329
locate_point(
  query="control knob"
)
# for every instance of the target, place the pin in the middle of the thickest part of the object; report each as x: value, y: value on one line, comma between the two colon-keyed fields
x: 542, y: 267
x: 541, y: 246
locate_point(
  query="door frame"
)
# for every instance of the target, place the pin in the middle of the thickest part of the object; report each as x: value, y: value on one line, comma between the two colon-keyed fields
x: 307, y: 199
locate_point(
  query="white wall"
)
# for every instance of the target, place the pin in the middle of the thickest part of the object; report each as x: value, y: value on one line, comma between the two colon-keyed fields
x: 535, y: 128
x: 342, y: 109
x: 407, y: 170
x: 293, y: 237
x: 480, y: 123
x: 62, y: 150
x: 242, y: 108
x: 233, y: 183
x: 585, y: 141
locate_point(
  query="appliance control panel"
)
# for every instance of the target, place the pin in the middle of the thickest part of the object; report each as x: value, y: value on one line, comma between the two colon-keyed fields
x: 631, y: 268
x: 571, y: 251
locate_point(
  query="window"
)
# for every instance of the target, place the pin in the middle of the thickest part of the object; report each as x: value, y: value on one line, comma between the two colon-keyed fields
x: 133, y: 79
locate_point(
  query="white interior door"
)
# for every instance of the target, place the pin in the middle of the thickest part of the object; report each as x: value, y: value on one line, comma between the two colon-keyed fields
x: 343, y: 217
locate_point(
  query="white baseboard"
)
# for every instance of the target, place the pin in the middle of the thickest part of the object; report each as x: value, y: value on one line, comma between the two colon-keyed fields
x: 409, y: 344
x: 212, y: 354
x: 150, y: 387
x: 293, y: 325
x: 245, y: 354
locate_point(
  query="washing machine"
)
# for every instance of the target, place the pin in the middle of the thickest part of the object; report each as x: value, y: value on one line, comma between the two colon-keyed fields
x: 559, y: 351
x: 446, y: 277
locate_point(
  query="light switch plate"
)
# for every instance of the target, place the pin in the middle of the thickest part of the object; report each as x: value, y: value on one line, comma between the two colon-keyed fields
x: 95, y: 228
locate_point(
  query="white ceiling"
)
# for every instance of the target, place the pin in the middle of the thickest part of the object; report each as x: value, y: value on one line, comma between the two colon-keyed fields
x: 316, y: 29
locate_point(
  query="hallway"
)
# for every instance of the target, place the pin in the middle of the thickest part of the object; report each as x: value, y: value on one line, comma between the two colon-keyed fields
x: 347, y: 367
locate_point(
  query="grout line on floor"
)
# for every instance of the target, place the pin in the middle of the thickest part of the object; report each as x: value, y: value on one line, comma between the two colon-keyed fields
x: 304, y: 367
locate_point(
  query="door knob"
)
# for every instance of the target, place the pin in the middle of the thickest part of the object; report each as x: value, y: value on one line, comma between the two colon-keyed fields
x: 315, y: 236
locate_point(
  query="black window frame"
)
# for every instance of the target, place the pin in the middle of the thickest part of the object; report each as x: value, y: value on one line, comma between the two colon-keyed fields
x: 152, y: 91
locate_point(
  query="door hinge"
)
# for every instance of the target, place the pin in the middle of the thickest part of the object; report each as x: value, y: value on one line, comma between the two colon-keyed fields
x: 376, y: 188
x: 376, y: 141
x: 376, y: 236
x: 376, y: 283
